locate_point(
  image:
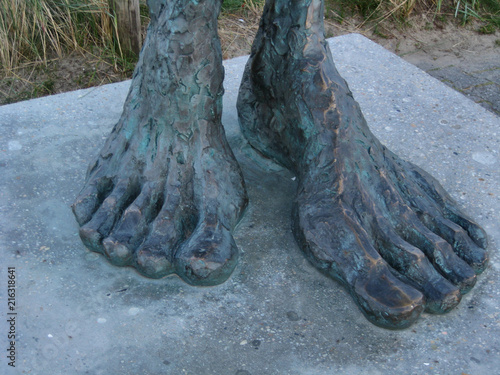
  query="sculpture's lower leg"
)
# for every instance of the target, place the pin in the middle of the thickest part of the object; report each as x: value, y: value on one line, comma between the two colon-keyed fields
x: 380, y: 225
x: 166, y: 192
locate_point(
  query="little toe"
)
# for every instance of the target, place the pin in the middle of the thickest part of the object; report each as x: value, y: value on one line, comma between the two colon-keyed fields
x: 434, y: 190
x: 89, y: 199
x: 475, y: 232
x: 209, y: 256
x: 103, y: 220
x: 440, y: 295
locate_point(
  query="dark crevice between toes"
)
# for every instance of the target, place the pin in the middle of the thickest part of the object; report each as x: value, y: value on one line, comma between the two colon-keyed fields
x: 105, y: 186
x: 151, y: 212
x: 159, y: 200
x: 189, y: 220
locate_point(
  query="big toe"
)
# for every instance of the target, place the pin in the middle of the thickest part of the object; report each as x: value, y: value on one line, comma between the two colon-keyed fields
x: 386, y: 301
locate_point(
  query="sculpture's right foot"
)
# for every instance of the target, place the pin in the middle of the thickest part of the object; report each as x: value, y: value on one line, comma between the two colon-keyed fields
x: 381, y: 226
x: 166, y: 192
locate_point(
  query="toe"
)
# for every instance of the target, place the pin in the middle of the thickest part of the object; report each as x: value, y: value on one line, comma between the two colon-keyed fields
x: 433, y: 217
x: 103, y: 220
x: 441, y: 254
x: 462, y: 244
x: 132, y: 228
x: 440, y: 295
x: 385, y: 300
x: 209, y: 256
x: 436, y: 192
x: 154, y: 257
x: 341, y: 247
x: 475, y: 232
x: 120, y: 245
x: 91, y: 238
x: 89, y: 199
x: 408, y: 262
x: 413, y: 267
x: 154, y: 261
x: 118, y: 252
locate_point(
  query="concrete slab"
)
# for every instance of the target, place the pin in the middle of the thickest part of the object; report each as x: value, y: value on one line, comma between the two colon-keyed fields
x: 76, y: 314
x: 478, y: 79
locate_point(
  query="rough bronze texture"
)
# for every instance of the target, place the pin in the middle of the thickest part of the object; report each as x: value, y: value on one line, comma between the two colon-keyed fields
x: 166, y: 192
x: 381, y: 226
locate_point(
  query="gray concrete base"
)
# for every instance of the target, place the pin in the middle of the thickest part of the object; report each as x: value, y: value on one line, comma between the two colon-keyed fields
x: 76, y: 314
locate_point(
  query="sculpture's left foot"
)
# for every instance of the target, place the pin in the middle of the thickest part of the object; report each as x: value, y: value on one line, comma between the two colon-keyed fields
x: 381, y: 226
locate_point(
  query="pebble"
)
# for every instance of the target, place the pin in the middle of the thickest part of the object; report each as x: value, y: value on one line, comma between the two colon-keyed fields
x: 134, y: 311
x: 15, y: 146
x: 293, y: 316
x: 91, y: 256
x: 484, y: 158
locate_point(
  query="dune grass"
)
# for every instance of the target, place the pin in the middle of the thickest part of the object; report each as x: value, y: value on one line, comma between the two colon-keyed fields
x: 379, y: 10
x: 37, y: 30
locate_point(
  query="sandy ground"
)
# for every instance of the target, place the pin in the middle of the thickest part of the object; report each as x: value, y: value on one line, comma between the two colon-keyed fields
x: 459, y: 56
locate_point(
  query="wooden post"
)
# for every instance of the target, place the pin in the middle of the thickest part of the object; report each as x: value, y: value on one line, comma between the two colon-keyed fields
x: 128, y: 22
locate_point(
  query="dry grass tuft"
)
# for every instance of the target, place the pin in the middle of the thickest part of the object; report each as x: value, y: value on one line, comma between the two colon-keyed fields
x: 52, y: 46
x: 37, y: 30
x: 238, y: 26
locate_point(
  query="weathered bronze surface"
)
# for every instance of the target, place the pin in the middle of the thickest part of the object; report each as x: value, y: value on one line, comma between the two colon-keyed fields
x: 166, y: 192
x: 381, y: 226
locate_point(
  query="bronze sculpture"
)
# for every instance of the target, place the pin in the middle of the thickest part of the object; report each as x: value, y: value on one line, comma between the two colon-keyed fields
x: 166, y: 191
